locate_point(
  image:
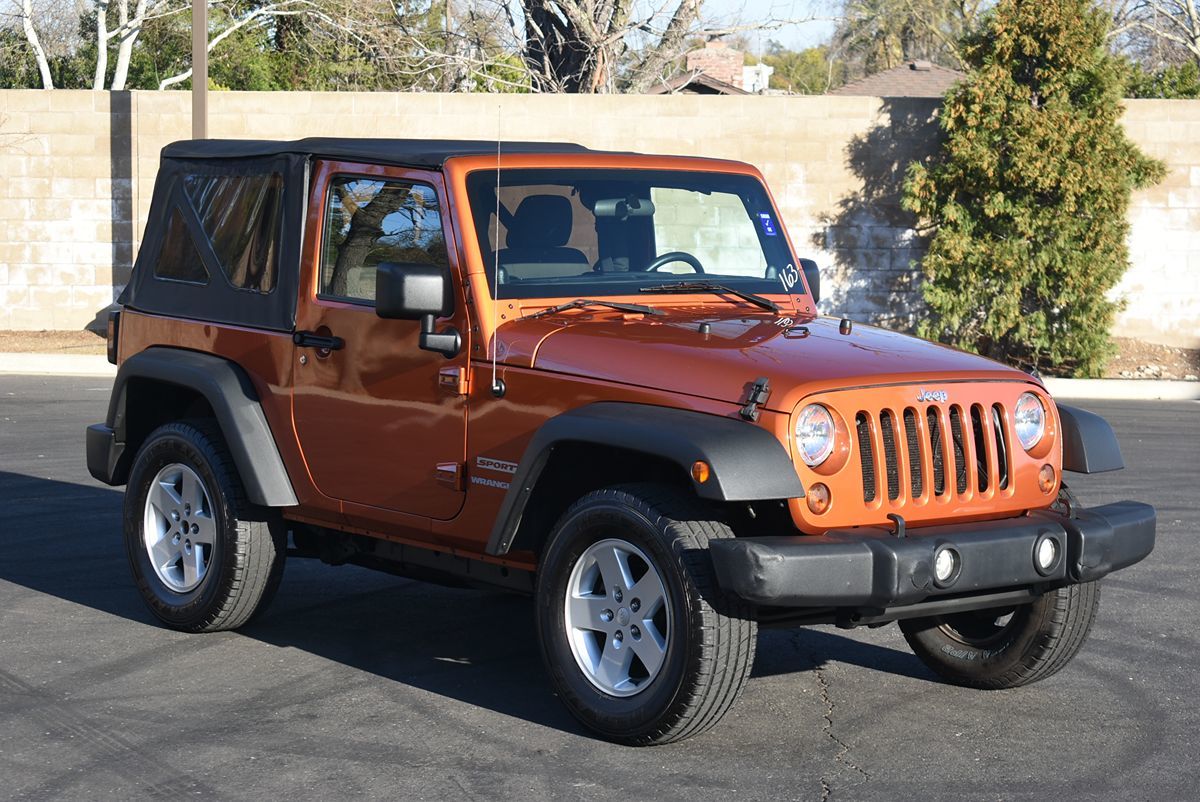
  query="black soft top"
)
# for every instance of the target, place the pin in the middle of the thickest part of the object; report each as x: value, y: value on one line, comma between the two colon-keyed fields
x: 427, y: 153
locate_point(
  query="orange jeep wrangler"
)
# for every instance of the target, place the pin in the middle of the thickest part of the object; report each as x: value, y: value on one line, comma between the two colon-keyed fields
x: 597, y: 378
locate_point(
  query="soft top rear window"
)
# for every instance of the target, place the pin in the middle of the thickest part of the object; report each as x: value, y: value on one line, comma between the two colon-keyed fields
x: 223, y: 241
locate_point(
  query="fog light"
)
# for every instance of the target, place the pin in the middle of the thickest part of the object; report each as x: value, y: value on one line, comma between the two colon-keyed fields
x: 1045, y: 555
x: 818, y: 498
x: 945, y: 565
x: 1046, y: 478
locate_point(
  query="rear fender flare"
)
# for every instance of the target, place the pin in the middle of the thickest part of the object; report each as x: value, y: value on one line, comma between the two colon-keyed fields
x: 234, y: 402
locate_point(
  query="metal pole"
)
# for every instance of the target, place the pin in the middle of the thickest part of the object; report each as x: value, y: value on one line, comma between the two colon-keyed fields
x: 199, y: 69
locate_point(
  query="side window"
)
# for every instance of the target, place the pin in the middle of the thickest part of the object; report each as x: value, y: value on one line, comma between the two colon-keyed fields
x: 179, y: 259
x: 368, y: 221
x: 241, y: 216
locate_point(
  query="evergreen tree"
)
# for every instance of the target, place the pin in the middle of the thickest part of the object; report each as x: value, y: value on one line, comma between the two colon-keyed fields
x: 1029, y: 192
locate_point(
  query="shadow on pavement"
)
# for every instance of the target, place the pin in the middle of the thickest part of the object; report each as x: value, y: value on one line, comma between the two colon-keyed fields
x: 476, y: 646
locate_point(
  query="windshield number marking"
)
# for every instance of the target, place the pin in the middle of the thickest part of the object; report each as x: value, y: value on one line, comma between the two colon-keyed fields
x: 788, y: 277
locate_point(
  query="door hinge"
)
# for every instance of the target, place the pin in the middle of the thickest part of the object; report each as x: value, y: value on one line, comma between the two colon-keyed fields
x: 451, y: 474
x: 454, y: 380
x: 760, y: 391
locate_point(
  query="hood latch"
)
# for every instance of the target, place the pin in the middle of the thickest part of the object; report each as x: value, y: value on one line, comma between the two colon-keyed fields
x: 760, y: 391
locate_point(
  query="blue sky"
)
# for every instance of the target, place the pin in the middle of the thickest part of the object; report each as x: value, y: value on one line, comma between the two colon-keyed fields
x: 795, y: 36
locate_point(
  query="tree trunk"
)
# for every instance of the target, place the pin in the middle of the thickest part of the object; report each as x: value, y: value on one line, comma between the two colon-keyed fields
x: 101, y: 44
x: 35, y: 44
x: 131, y: 30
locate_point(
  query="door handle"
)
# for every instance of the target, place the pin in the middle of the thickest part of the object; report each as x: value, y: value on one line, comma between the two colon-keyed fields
x: 308, y: 339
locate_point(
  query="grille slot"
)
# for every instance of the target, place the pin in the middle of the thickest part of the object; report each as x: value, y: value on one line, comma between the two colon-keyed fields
x: 914, y: 452
x: 863, y: 427
x: 888, y: 431
x: 1000, y: 437
x: 935, y: 446
x: 981, y: 453
x: 960, y: 460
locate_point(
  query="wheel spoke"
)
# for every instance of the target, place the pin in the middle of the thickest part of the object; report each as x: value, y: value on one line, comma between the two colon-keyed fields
x: 164, y: 552
x: 649, y: 591
x: 613, y: 670
x: 168, y: 496
x: 614, y: 568
x: 193, y: 493
x: 583, y: 612
x: 193, y: 565
x: 651, y: 648
x: 206, y: 530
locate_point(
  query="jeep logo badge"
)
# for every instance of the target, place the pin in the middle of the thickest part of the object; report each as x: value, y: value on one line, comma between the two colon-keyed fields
x: 940, y: 396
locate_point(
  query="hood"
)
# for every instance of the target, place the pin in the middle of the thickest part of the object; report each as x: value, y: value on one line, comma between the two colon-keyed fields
x: 799, y: 358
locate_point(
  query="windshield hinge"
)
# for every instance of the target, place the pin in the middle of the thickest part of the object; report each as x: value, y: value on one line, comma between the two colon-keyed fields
x: 759, y: 392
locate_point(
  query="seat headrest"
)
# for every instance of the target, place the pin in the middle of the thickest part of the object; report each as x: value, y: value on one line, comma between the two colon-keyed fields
x: 541, y: 221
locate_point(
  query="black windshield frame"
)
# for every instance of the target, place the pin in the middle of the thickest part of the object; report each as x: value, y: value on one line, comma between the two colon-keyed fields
x: 632, y: 239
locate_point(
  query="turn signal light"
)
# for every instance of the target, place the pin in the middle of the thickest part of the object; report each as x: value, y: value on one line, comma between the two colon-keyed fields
x: 701, y: 471
x: 1046, y: 478
x: 818, y: 498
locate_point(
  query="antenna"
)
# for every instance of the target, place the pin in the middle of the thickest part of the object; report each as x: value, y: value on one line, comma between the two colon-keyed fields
x: 498, y: 388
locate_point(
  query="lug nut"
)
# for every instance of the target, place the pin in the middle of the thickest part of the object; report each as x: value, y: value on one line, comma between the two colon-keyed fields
x: 175, y: 516
x: 635, y: 605
x: 606, y: 615
x: 187, y: 509
x: 195, y: 529
x: 635, y: 632
x: 617, y: 595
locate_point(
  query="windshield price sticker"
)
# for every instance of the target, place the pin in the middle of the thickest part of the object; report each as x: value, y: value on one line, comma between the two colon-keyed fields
x: 768, y: 225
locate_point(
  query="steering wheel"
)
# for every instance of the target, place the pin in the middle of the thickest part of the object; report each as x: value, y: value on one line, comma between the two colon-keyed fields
x: 675, y: 256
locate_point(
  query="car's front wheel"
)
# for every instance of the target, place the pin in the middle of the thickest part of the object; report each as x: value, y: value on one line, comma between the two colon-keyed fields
x: 640, y: 643
x: 1006, y: 647
x: 203, y: 557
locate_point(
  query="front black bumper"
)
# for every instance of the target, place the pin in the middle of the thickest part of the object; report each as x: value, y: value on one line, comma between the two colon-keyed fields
x: 870, y: 568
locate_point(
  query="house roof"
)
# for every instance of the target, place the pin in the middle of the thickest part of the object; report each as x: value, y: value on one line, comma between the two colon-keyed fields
x: 696, y: 82
x: 914, y: 79
x: 427, y: 153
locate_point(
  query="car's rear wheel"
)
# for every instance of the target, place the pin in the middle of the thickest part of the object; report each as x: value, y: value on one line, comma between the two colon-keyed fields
x: 640, y: 643
x: 204, y: 558
x: 1009, y: 646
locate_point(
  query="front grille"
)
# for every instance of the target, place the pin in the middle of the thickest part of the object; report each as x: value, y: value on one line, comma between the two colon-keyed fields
x: 974, y: 460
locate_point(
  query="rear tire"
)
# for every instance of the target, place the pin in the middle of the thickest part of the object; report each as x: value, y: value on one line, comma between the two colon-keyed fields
x: 204, y: 559
x: 640, y: 643
x: 1006, y: 647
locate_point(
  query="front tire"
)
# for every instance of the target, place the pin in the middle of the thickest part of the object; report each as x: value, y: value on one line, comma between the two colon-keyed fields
x: 204, y: 559
x: 1006, y: 647
x: 640, y: 643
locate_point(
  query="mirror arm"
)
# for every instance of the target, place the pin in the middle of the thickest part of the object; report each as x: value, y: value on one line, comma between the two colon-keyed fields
x: 447, y: 343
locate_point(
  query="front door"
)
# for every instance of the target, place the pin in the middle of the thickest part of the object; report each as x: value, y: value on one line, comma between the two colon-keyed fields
x: 373, y: 420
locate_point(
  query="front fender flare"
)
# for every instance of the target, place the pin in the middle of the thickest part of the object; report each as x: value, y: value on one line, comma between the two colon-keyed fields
x: 1089, y: 443
x: 747, y: 462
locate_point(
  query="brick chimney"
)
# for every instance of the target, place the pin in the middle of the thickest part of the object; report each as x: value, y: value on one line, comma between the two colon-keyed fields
x: 719, y: 61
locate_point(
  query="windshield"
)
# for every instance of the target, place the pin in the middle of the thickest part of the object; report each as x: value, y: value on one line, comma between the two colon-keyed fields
x: 597, y: 232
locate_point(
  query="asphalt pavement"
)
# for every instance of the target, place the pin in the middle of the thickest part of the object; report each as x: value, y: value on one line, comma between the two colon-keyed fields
x: 356, y: 684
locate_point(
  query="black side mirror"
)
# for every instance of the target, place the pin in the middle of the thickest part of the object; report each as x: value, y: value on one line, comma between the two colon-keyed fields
x: 409, y: 291
x: 813, y: 277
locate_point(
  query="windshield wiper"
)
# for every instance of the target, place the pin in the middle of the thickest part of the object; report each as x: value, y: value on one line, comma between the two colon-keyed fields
x: 712, y: 286
x: 582, y: 302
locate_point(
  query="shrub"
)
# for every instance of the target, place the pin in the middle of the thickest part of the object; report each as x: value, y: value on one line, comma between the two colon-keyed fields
x: 1028, y: 195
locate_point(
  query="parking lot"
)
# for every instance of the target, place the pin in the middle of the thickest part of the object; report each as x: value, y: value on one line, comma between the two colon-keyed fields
x: 362, y: 684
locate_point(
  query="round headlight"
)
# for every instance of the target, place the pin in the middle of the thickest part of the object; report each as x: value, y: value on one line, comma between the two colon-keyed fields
x: 1029, y: 419
x: 814, y: 434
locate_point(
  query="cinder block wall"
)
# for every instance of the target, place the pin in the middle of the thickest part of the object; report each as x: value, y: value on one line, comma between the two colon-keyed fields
x: 77, y: 170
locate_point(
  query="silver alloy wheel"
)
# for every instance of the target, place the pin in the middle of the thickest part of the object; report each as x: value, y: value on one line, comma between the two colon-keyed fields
x: 617, y: 617
x: 178, y: 528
